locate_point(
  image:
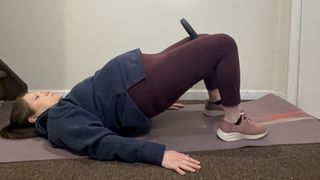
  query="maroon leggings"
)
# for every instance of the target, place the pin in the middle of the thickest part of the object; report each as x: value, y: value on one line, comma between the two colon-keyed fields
x: 170, y: 73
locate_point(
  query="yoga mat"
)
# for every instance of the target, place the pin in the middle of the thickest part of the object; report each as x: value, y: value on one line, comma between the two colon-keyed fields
x: 188, y: 130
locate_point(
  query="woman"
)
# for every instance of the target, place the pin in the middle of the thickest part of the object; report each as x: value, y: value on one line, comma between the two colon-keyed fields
x: 99, y: 113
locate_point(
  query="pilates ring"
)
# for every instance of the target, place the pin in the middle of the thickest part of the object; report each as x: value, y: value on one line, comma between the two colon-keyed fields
x: 192, y: 33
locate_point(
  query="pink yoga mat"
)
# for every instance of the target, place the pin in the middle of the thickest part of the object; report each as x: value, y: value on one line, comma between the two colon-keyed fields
x: 188, y: 130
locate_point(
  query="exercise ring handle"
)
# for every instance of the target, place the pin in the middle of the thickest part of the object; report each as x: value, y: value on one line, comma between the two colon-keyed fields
x: 192, y: 33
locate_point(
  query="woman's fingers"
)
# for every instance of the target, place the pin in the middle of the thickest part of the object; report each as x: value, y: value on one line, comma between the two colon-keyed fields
x: 179, y: 162
x: 179, y: 171
x: 179, y: 105
x: 188, y: 158
x: 188, y: 164
x: 173, y: 108
x: 192, y: 165
x: 192, y: 160
x: 176, y: 106
x: 187, y: 168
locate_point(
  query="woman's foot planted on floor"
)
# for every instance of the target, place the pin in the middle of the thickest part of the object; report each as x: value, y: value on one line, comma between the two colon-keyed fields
x: 244, y: 128
x: 213, y: 108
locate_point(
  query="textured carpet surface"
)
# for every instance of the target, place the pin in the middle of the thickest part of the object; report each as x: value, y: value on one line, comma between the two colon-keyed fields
x: 271, y: 162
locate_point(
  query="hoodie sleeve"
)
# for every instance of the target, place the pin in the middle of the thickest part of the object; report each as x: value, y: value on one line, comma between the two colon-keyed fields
x: 73, y: 128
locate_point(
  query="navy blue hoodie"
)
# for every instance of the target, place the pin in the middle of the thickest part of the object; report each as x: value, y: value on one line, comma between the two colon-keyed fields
x: 91, y: 118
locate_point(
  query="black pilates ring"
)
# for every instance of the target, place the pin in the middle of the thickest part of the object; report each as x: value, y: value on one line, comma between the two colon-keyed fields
x: 192, y: 33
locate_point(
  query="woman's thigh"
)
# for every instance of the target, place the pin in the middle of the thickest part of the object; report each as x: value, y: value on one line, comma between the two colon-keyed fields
x: 170, y: 74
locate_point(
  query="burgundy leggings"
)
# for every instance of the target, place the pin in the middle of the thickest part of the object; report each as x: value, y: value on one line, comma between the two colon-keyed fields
x: 170, y: 73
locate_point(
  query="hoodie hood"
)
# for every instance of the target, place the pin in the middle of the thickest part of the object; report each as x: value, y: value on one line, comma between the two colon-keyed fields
x: 41, y: 123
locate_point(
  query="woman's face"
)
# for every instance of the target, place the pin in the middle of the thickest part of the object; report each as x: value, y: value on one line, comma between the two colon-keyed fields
x: 40, y: 102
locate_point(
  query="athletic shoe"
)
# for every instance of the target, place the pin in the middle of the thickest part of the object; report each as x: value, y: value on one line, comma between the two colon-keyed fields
x: 244, y: 128
x: 213, y: 108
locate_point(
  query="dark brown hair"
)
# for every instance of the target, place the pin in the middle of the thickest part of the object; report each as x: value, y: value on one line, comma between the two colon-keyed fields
x: 19, y: 126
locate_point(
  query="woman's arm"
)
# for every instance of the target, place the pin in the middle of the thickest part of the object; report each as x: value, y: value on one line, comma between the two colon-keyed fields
x: 83, y: 133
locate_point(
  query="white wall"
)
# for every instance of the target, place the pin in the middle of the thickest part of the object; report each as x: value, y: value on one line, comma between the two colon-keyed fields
x: 32, y: 41
x: 55, y: 44
x: 282, y: 45
x: 309, y: 86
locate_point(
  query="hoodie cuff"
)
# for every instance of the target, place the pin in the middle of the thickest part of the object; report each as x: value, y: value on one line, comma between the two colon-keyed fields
x: 153, y: 153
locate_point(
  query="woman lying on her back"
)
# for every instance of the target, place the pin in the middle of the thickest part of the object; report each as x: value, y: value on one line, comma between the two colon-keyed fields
x: 119, y: 99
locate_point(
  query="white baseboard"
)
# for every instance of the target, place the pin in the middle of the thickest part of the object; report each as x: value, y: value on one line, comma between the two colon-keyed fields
x: 201, y: 94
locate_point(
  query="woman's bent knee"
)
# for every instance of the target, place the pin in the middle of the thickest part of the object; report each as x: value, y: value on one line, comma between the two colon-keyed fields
x: 226, y: 40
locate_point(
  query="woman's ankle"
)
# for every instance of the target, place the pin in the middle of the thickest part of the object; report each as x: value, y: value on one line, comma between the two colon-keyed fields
x: 231, y: 114
x: 214, y: 95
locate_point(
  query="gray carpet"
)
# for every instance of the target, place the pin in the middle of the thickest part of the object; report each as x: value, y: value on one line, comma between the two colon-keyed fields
x: 271, y: 162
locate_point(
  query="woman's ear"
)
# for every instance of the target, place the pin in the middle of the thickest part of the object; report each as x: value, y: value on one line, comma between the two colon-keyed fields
x: 32, y: 119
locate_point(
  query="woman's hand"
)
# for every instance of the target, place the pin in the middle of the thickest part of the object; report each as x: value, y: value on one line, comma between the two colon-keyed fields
x: 179, y: 162
x: 176, y: 106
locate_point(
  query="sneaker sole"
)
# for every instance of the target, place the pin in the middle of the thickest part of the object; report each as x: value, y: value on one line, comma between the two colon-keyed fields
x: 212, y: 113
x: 237, y: 136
